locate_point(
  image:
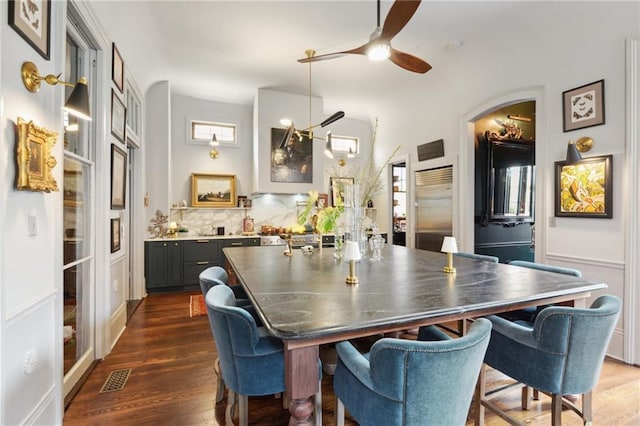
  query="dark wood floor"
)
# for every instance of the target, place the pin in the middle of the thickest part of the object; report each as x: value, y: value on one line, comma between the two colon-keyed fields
x: 172, y: 380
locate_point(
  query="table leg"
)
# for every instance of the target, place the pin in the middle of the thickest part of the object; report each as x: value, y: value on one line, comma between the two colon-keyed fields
x: 301, y: 378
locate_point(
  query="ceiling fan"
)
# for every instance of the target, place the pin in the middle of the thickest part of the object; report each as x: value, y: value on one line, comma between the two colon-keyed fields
x: 378, y: 48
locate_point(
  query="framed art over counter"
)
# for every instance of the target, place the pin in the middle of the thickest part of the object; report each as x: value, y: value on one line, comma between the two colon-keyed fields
x: 213, y: 190
x: 337, y: 188
x: 583, y: 106
x: 32, y: 19
x: 117, y: 68
x: 584, y: 189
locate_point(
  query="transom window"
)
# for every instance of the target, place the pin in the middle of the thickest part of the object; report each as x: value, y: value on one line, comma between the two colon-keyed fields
x: 203, y: 131
x: 342, y: 144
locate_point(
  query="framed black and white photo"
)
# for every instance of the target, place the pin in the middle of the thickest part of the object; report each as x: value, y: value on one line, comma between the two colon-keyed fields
x: 583, y: 106
x: 118, y: 177
x: 31, y: 19
x: 118, y: 117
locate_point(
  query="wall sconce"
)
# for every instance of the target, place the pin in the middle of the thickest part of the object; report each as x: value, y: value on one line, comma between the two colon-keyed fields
x: 352, y: 254
x: 584, y: 144
x: 573, y: 156
x: 78, y: 102
x: 213, y: 154
x: 449, y: 246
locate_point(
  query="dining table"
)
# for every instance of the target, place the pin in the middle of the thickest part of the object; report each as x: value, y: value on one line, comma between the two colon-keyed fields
x: 304, y: 299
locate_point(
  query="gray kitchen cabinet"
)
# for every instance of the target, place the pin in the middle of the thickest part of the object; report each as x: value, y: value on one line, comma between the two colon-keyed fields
x: 199, y: 255
x: 163, y: 265
x: 235, y: 242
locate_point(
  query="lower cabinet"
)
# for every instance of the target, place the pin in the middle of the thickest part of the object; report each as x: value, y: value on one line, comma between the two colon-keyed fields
x: 175, y: 265
x: 199, y: 255
x: 163, y: 265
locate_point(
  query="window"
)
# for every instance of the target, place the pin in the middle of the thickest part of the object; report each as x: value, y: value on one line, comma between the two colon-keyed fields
x: 342, y: 144
x: 201, y: 131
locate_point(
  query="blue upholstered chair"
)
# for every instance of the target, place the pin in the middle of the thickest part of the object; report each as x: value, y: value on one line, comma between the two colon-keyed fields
x: 560, y: 354
x: 475, y: 256
x: 408, y: 382
x: 251, y: 361
x: 216, y: 275
x: 529, y: 314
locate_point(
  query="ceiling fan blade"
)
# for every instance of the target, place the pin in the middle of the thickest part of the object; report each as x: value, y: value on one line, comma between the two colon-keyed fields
x: 409, y: 62
x: 399, y: 15
x: 357, y: 51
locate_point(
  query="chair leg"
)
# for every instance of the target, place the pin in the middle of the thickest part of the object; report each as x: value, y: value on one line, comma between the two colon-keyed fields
x: 231, y: 408
x: 536, y: 394
x: 556, y: 410
x: 526, y: 397
x: 244, y: 410
x: 220, y: 388
x: 587, y: 412
x: 339, y: 412
x: 318, y: 404
x: 479, y: 396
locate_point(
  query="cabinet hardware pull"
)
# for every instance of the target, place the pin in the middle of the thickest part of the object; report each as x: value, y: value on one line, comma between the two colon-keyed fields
x: 236, y: 244
x: 202, y: 241
x: 164, y: 245
x: 202, y: 263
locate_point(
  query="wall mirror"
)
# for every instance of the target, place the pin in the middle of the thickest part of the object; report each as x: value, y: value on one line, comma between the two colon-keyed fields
x: 511, y: 181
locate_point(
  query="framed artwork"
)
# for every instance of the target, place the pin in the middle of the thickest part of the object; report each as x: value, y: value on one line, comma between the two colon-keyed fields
x: 31, y: 19
x: 33, y: 157
x: 213, y: 190
x: 291, y: 157
x: 337, y: 188
x: 323, y: 201
x: 242, y: 201
x: 583, y: 106
x: 115, y: 235
x: 584, y: 189
x: 118, y: 117
x: 118, y: 177
x: 117, y: 68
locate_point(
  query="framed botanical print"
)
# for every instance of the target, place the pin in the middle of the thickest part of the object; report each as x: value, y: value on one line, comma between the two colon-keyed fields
x: 583, y: 106
x: 118, y: 117
x: 584, y: 189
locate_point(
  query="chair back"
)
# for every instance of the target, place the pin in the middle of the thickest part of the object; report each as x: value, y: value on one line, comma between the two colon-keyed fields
x: 548, y: 268
x: 574, y: 343
x: 420, y: 382
x: 562, y: 352
x: 210, y: 277
x: 475, y: 256
x: 251, y: 362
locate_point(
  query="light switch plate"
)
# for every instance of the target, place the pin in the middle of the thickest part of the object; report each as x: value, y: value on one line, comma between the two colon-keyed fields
x: 32, y: 222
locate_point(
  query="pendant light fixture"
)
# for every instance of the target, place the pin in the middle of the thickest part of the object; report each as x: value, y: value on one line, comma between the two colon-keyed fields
x: 308, y: 132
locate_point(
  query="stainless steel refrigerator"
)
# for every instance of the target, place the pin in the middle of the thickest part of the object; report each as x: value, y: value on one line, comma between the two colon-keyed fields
x: 434, y: 207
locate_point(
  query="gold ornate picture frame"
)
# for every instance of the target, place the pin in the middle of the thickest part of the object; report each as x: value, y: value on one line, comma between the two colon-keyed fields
x: 33, y: 157
x: 213, y: 190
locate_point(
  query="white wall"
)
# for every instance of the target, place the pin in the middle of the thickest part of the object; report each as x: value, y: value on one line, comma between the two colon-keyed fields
x: 30, y: 266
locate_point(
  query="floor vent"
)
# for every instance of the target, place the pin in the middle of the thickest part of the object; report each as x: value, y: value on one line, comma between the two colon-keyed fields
x: 116, y: 381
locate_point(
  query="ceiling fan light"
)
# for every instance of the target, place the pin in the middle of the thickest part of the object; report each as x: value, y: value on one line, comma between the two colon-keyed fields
x: 379, y: 52
x: 328, y: 149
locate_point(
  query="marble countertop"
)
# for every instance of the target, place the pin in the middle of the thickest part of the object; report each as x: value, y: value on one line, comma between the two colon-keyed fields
x: 188, y: 236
